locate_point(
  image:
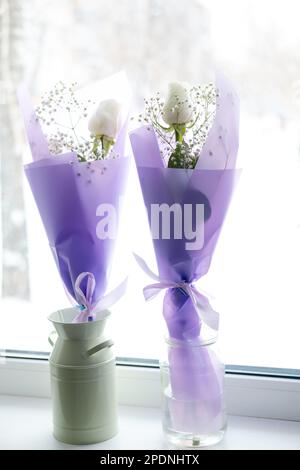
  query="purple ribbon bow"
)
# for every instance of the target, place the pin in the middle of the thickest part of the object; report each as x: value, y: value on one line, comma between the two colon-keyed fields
x: 205, y: 311
x: 87, y: 309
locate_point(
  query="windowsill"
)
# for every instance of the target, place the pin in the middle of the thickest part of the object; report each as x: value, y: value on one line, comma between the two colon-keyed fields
x: 26, y: 424
x: 255, y: 396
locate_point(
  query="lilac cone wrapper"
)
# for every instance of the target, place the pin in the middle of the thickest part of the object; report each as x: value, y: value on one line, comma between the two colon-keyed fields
x: 196, y: 376
x: 67, y: 194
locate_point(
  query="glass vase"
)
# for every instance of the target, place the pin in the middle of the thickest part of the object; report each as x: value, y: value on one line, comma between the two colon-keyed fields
x: 192, y: 377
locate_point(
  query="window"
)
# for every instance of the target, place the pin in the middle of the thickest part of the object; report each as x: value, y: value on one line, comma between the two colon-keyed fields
x: 256, y: 268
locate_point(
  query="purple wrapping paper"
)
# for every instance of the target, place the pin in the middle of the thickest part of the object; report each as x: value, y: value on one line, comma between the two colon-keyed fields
x: 195, y: 375
x: 67, y: 194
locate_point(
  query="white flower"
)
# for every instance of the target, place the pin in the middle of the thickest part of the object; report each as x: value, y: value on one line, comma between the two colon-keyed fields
x: 178, y: 107
x: 106, y: 120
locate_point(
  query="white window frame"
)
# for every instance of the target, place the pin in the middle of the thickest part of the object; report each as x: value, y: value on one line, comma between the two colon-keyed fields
x: 246, y: 395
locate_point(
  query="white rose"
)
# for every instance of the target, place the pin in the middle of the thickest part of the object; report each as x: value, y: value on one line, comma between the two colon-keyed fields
x: 178, y: 107
x: 106, y: 120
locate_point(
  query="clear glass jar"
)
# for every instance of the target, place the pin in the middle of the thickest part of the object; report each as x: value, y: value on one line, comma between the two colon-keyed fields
x: 193, y: 409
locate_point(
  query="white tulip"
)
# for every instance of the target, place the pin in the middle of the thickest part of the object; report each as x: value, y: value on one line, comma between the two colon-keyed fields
x: 106, y: 120
x: 178, y: 107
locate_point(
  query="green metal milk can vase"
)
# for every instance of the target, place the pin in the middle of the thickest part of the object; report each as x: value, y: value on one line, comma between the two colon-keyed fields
x: 83, y: 379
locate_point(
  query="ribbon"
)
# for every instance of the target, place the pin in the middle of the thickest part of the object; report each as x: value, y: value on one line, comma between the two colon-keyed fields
x: 85, y: 299
x: 205, y: 311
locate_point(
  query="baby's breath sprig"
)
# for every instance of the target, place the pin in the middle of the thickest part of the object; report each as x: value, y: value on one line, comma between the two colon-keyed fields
x: 62, y: 103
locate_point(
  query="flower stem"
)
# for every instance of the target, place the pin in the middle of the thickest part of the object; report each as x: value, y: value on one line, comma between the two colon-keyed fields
x: 105, y: 143
x: 179, y: 132
x: 96, y: 143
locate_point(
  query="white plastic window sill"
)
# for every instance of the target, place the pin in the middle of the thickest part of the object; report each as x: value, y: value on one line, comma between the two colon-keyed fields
x: 264, y: 411
x: 26, y: 424
x: 255, y: 396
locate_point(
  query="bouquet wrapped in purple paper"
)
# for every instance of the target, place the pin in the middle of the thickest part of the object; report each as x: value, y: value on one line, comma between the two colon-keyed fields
x: 186, y: 156
x: 77, y: 178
